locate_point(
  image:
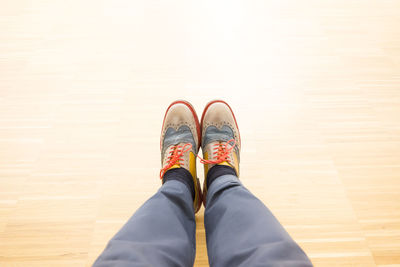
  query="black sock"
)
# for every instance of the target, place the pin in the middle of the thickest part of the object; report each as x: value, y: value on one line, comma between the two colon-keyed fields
x: 217, y: 171
x: 182, y: 175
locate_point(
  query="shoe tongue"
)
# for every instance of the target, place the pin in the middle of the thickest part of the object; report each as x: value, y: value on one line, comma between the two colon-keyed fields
x: 175, y: 147
x: 221, y: 143
x: 225, y: 163
x: 174, y: 166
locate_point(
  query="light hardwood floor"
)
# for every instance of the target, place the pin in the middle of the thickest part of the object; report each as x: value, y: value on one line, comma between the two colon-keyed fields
x: 84, y: 86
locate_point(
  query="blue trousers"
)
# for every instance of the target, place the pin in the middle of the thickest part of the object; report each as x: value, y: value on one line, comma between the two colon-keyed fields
x: 240, y: 231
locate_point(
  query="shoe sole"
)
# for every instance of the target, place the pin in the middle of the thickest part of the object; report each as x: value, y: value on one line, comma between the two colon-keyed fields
x: 200, y: 196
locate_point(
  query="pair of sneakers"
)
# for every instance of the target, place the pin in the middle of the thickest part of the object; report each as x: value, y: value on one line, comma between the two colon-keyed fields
x: 182, y: 135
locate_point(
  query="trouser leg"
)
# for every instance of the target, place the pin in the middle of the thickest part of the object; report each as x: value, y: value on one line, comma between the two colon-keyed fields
x: 241, y: 231
x: 160, y: 233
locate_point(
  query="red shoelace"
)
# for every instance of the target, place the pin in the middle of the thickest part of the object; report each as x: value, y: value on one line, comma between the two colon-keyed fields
x: 221, y: 151
x: 175, y: 157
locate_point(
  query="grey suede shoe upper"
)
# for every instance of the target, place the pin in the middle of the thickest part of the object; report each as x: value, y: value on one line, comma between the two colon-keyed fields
x: 214, y: 134
x: 174, y: 137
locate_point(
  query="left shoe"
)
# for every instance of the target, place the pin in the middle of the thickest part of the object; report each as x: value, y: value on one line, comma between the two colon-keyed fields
x: 180, y: 142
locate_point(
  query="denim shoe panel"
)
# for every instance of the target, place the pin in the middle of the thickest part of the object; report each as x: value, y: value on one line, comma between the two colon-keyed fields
x: 174, y: 137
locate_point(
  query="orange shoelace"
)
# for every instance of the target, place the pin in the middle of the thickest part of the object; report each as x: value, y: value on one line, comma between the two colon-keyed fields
x: 175, y: 157
x: 221, y: 152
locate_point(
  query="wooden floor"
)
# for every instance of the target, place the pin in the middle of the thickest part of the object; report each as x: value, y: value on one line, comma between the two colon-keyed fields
x: 84, y: 86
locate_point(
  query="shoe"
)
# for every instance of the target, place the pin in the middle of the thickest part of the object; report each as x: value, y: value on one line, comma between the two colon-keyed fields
x: 220, y: 139
x: 180, y: 142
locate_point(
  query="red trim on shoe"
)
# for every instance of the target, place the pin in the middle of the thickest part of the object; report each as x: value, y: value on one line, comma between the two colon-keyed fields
x: 198, y: 129
x: 223, y: 102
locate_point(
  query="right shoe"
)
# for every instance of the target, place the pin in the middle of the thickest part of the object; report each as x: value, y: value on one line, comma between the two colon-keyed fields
x: 180, y: 143
x: 220, y: 139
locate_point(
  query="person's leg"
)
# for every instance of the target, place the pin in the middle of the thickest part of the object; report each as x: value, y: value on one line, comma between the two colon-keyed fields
x: 160, y: 233
x: 241, y: 231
